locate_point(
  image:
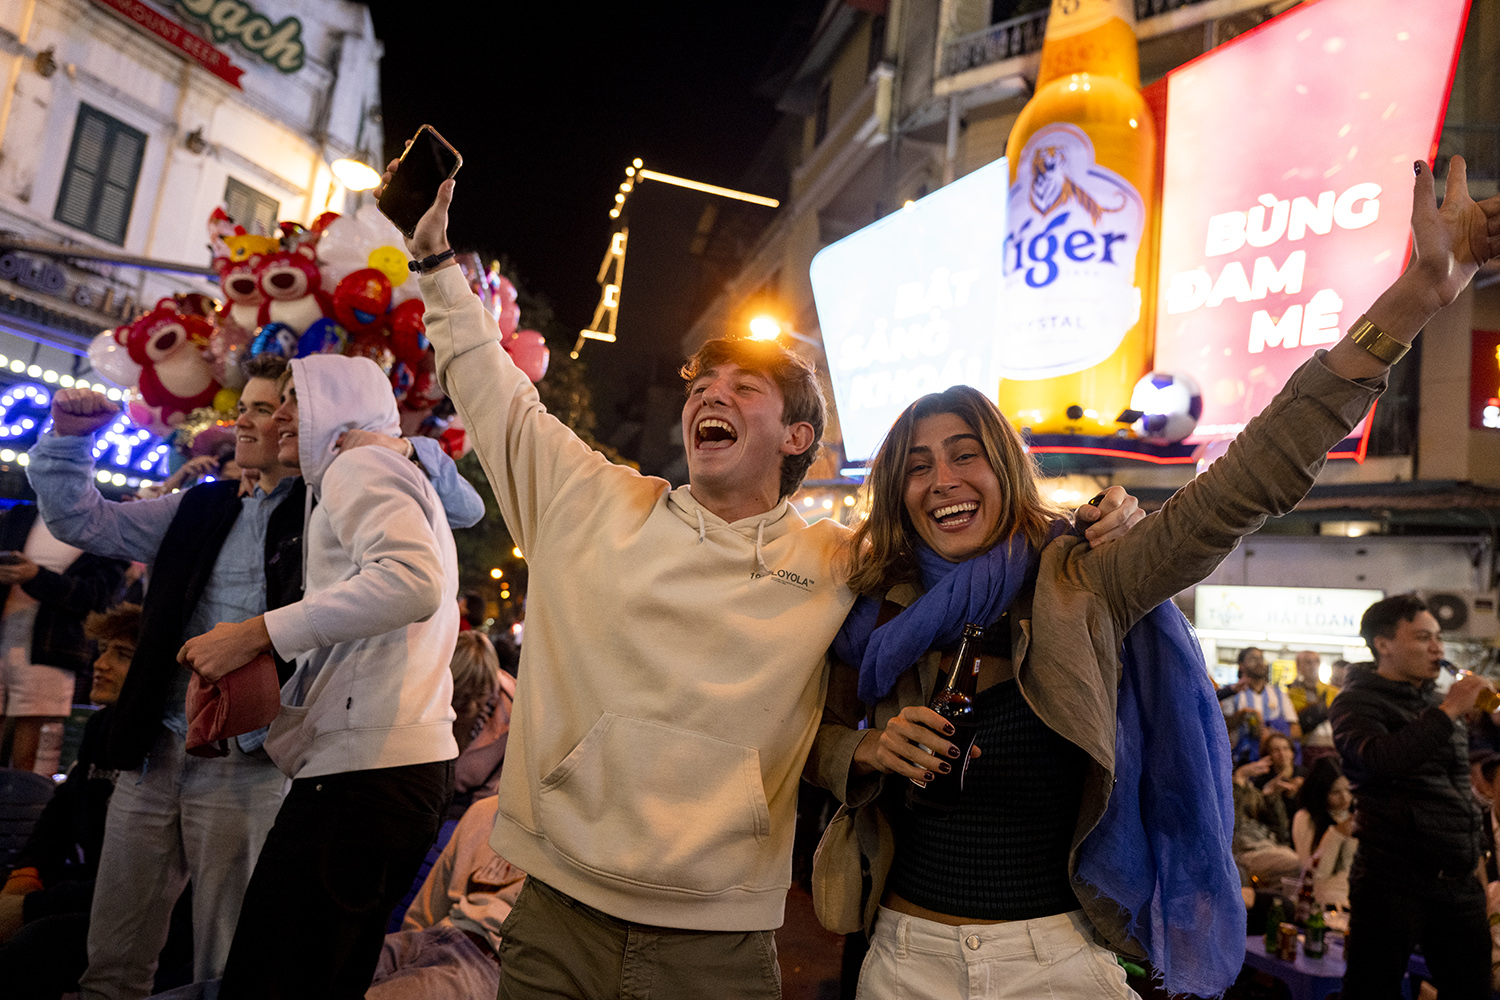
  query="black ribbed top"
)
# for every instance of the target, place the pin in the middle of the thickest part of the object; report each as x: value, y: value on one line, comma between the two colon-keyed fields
x: 1003, y: 855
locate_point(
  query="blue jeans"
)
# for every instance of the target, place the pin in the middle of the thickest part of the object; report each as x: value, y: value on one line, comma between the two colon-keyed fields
x: 178, y: 818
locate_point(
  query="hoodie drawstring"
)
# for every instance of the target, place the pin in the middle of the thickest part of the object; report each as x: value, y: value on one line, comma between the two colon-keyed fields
x: 760, y: 561
x: 702, y: 528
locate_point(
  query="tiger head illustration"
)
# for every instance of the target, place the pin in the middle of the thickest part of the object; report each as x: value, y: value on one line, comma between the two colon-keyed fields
x: 1052, y: 188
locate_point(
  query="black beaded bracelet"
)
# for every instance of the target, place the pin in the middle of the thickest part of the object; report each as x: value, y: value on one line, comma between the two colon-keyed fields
x: 429, y: 262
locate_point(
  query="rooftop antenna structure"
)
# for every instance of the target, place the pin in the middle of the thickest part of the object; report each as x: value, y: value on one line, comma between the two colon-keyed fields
x: 612, y: 269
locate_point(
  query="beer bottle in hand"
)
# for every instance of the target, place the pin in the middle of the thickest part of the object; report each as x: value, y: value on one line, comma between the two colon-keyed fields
x: 954, y: 701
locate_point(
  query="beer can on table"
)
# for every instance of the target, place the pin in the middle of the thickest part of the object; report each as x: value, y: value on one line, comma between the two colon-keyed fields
x: 1286, y: 945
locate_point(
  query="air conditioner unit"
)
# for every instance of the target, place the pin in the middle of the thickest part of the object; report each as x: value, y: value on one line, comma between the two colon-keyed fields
x: 1464, y: 614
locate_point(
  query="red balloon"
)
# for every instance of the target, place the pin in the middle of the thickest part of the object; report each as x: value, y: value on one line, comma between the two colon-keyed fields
x: 528, y: 349
x: 361, y: 299
x: 509, y: 318
x: 408, y: 332
x: 505, y: 290
x: 374, y: 347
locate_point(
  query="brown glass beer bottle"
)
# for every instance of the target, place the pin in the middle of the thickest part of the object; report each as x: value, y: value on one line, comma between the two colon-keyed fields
x: 954, y: 701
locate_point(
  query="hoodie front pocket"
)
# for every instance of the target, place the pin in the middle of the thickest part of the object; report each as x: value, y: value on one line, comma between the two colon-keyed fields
x: 659, y: 806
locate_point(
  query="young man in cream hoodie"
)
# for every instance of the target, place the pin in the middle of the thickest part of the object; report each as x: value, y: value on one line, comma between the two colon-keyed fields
x: 673, y: 672
x: 365, y: 729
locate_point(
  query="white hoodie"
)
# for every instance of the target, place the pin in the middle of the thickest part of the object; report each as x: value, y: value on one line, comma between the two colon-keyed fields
x: 375, y: 631
x: 673, y: 674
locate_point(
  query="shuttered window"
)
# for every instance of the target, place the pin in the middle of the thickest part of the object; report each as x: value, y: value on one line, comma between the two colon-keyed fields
x: 248, y: 207
x: 98, y: 186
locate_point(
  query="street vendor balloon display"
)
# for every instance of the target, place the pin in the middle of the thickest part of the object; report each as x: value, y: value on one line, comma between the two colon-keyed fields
x: 338, y: 286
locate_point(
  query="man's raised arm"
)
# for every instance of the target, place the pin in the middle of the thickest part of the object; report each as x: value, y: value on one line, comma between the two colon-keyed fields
x: 526, y: 452
x: 61, y: 470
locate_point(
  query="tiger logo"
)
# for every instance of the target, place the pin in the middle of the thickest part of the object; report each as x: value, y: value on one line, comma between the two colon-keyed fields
x: 1051, y: 187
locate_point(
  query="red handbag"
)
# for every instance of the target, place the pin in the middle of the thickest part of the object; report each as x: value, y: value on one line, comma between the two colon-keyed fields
x: 243, y: 701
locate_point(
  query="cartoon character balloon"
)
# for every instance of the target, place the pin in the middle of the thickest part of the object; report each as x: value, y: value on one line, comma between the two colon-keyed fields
x: 167, y: 343
x: 293, y: 287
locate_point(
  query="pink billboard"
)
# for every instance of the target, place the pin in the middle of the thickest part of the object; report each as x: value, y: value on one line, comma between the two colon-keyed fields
x: 1286, y: 192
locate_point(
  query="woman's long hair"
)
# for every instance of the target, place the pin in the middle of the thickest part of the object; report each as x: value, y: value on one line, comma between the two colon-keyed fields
x: 1325, y: 771
x: 882, y: 549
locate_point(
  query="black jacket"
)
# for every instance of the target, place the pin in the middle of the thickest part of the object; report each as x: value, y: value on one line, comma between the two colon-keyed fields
x: 184, y: 562
x: 1414, y: 812
x: 90, y: 583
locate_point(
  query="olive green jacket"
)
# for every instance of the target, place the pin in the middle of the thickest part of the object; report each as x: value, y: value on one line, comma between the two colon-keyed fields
x: 1066, y: 635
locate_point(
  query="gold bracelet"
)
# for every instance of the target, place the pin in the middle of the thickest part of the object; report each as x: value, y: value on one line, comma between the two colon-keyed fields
x: 1375, y: 340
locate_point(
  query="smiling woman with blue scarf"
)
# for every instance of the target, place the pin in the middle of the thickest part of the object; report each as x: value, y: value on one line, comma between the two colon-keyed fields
x: 1097, y: 806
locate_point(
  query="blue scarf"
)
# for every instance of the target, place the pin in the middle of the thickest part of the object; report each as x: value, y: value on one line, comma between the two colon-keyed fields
x: 1162, y: 849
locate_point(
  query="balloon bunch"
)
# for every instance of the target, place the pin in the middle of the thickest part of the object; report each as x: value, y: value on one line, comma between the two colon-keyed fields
x: 527, y: 348
x: 338, y: 286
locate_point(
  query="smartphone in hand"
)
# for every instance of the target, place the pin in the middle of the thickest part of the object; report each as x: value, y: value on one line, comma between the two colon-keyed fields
x: 427, y: 162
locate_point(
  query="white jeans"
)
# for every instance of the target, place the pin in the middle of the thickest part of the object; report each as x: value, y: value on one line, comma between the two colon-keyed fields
x: 916, y: 959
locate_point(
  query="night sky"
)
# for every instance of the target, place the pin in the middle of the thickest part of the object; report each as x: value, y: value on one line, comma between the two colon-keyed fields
x: 549, y: 103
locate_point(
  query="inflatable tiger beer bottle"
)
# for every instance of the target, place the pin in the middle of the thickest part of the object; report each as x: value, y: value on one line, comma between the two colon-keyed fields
x: 1079, y: 252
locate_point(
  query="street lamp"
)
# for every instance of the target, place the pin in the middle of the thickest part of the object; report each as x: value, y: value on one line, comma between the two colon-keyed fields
x: 769, y: 328
x: 354, y: 175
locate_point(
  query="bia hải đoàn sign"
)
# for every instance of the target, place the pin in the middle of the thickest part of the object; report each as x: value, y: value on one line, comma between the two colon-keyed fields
x: 278, y: 44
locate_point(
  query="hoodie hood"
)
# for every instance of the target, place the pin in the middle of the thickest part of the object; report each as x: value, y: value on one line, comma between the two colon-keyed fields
x: 336, y: 394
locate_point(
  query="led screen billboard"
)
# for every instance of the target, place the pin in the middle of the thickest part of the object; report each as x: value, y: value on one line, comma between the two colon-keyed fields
x: 912, y: 304
x: 1287, y: 189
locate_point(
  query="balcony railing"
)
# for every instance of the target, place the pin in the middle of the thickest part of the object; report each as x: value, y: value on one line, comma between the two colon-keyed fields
x: 998, y: 42
x: 1023, y: 35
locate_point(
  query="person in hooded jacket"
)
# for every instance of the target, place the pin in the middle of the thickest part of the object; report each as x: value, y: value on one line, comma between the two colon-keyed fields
x: 365, y: 730
x: 1406, y: 754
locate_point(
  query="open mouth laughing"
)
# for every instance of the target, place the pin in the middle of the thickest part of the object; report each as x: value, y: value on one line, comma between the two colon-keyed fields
x: 712, y: 432
x: 955, y: 515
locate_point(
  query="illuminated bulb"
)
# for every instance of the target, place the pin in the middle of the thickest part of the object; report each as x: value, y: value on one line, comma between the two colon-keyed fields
x: 627, y: 187
x: 354, y: 175
x: 6, y: 455
x: 1134, y: 123
x: 517, y: 552
x: 4, y: 361
x: 504, y: 595
x: 66, y: 381
x: 49, y: 376
x: 764, y: 328
x: 637, y: 163
x: 147, y: 482
x: 101, y: 387
x: 23, y: 458
x: 630, y: 171
x: 614, y: 213
x: 496, y: 573
x: 849, y: 500
x: 807, y: 501
x: 908, y: 205
x: 619, y: 199
x: 18, y: 366
x: 828, y: 504
x: 34, y: 371
x: 102, y: 476
x: 118, y: 479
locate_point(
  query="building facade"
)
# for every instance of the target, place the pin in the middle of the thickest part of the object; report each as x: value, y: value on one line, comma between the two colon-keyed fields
x: 123, y: 125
